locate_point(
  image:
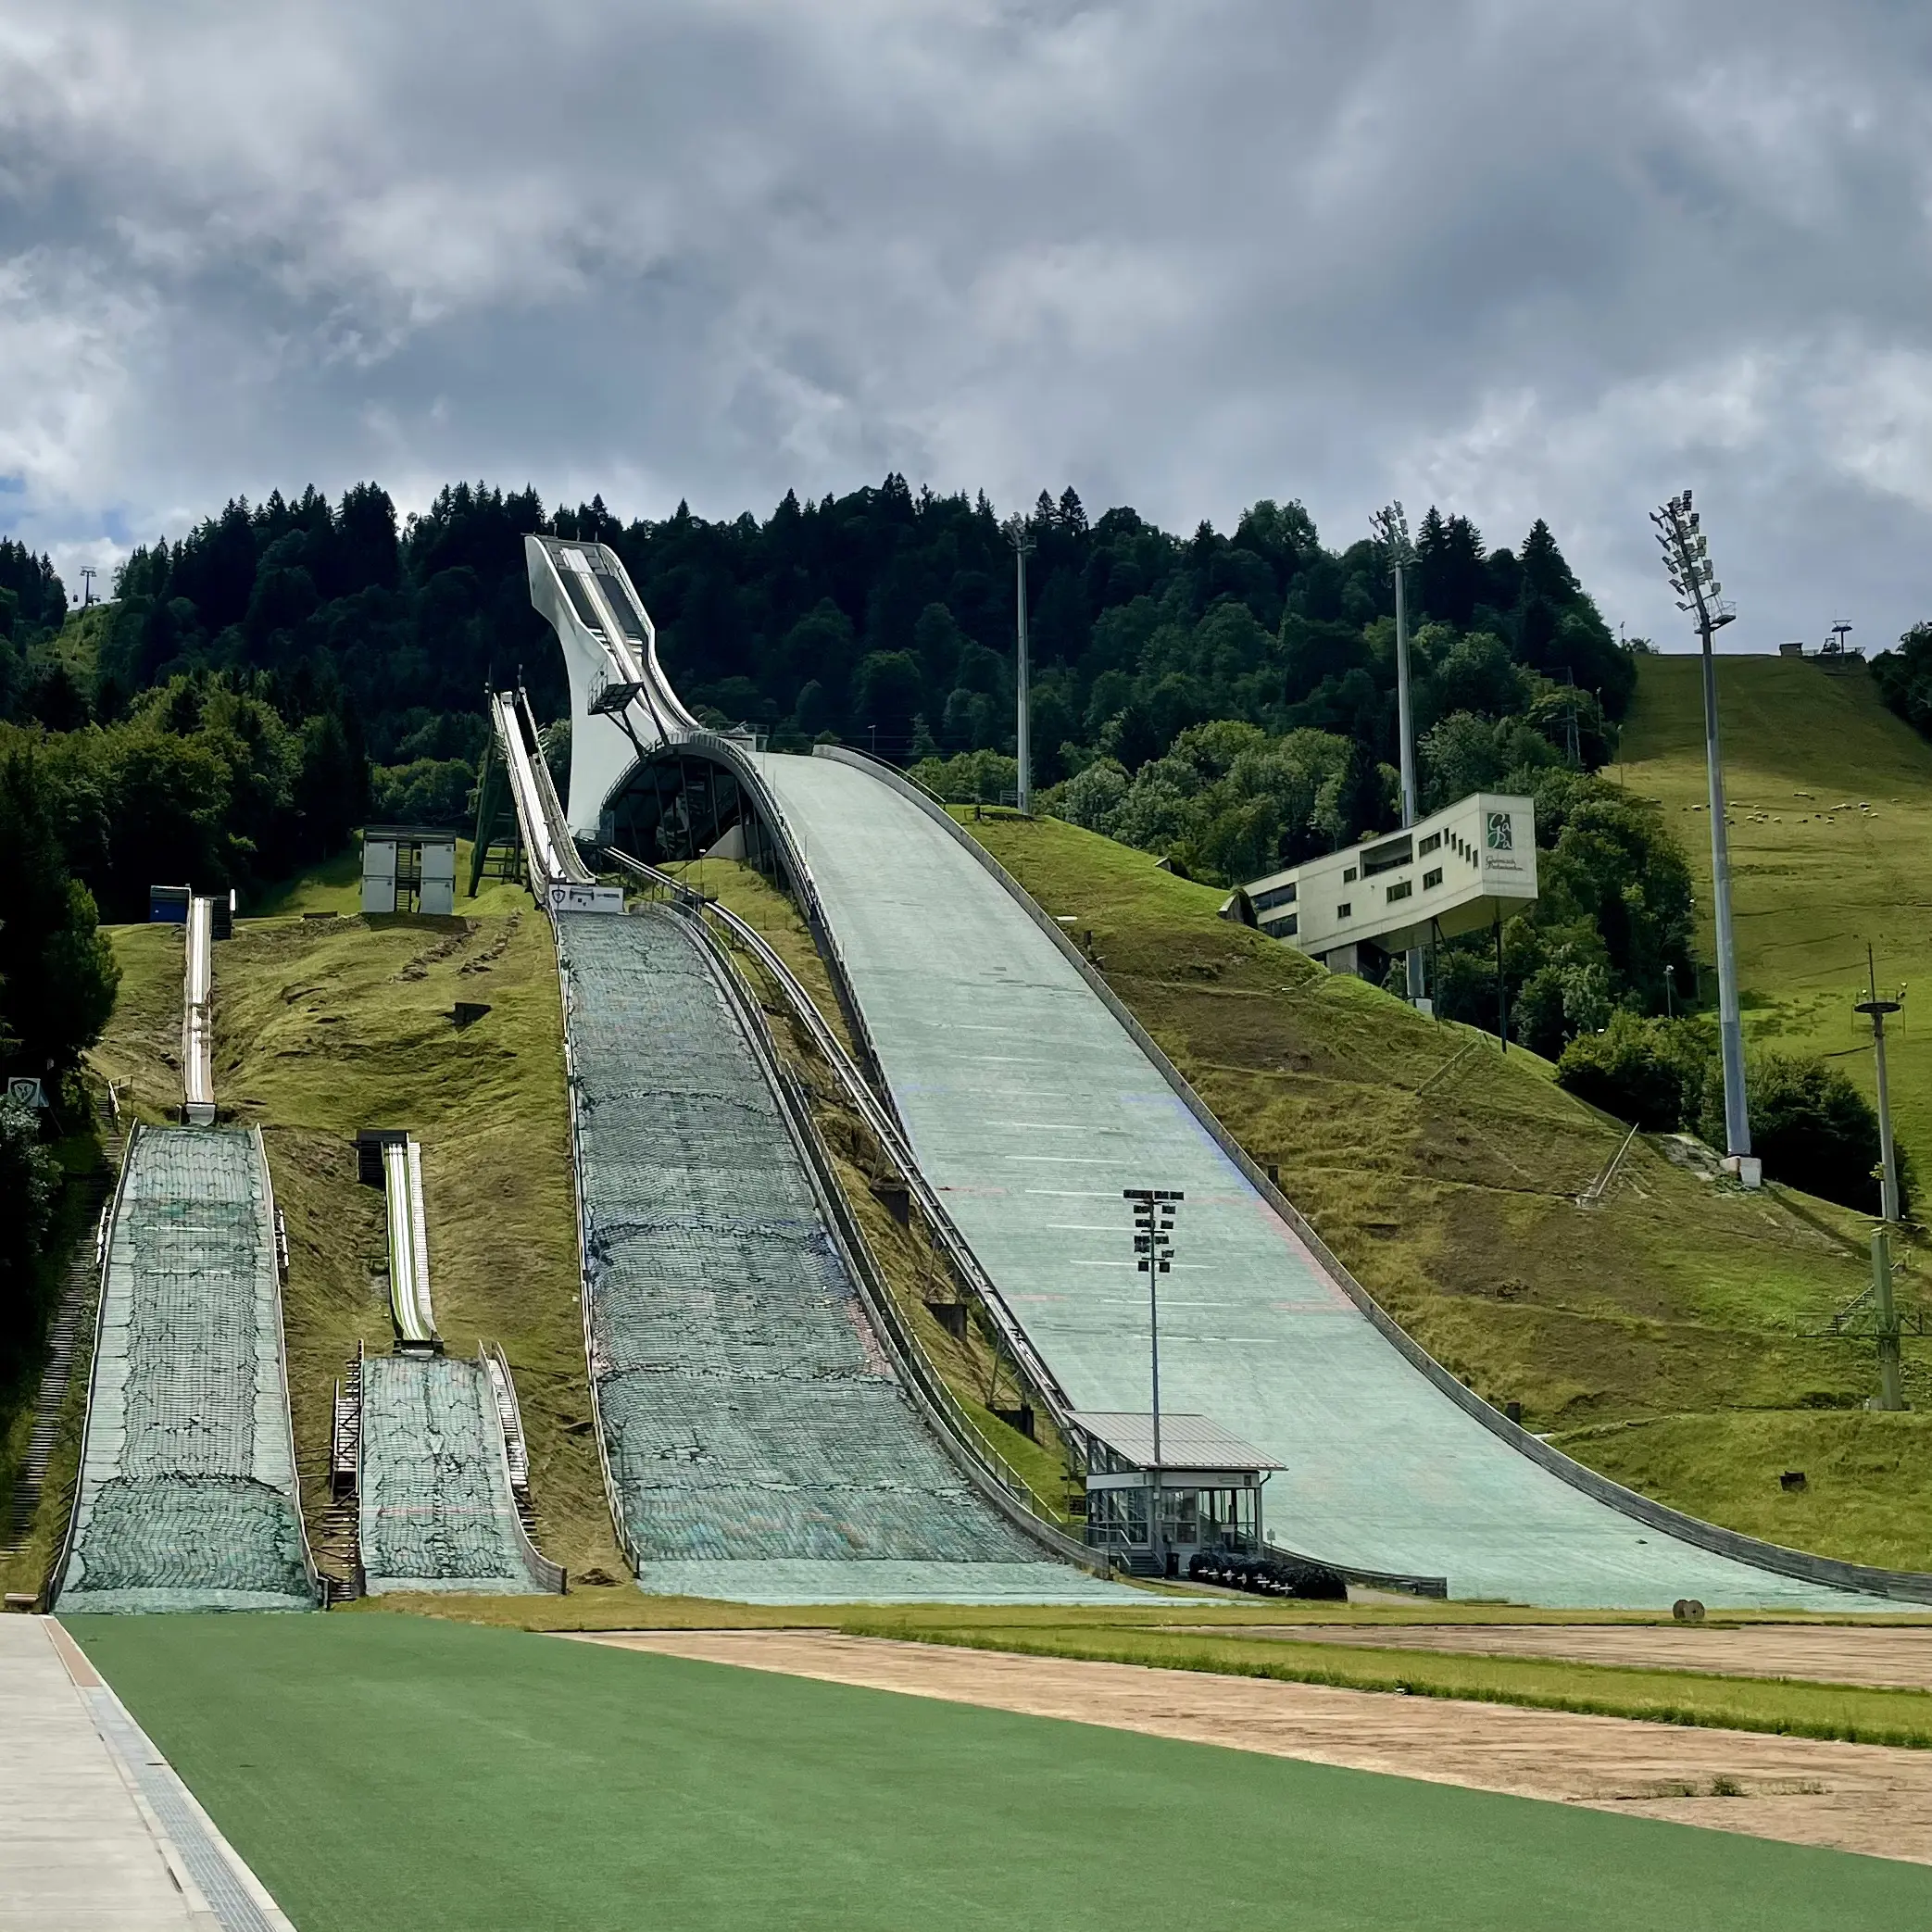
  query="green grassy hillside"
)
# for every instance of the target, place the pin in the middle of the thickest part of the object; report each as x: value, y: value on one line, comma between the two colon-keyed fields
x: 326, y: 1026
x: 1446, y: 1175
x: 1831, y: 846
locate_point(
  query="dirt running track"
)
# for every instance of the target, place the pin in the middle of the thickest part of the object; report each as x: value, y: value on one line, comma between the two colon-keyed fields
x: 1888, y: 1658
x: 1851, y: 1796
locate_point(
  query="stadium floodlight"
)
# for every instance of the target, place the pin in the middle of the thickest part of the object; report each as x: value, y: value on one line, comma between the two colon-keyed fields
x: 1693, y: 578
x: 1153, y: 1256
x: 1018, y: 536
x: 1391, y: 529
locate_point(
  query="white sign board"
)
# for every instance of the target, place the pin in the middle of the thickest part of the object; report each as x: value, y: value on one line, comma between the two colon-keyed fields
x: 25, y: 1093
x: 586, y: 898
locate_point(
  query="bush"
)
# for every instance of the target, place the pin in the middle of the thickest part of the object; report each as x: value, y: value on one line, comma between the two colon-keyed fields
x: 972, y: 778
x: 1649, y: 1072
x: 1811, y: 1127
x: 28, y: 1182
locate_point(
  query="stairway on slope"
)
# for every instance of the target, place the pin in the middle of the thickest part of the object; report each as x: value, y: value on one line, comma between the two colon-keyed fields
x: 78, y: 1287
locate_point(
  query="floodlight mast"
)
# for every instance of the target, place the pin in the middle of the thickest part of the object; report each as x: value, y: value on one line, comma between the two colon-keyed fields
x: 1686, y: 561
x: 1391, y: 528
x: 1891, y: 1389
x: 1016, y: 534
x: 1153, y: 1255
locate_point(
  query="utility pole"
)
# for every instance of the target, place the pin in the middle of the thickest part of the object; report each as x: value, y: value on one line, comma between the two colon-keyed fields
x: 1153, y: 1255
x: 1687, y: 558
x: 1016, y: 536
x: 1391, y: 527
x: 1890, y: 1392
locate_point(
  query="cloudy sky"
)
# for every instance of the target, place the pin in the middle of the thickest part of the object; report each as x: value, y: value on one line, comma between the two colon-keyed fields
x: 1514, y: 257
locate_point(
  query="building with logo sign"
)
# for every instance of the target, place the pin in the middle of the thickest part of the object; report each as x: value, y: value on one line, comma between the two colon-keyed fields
x: 1459, y: 870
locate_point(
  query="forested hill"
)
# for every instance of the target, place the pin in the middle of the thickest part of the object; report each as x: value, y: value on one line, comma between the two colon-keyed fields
x: 882, y: 617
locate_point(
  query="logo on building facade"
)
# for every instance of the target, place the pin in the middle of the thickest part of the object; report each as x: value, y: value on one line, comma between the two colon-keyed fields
x: 1501, y: 836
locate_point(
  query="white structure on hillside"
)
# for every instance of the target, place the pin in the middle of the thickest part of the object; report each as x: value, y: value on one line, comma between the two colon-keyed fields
x: 1459, y: 870
x: 409, y: 869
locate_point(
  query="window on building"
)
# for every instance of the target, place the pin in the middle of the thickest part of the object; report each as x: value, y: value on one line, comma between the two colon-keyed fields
x: 1429, y: 844
x: 1284, y: 925
x: 1344, y: 911
x: 1386, y: 857
x: 1275, y: 895
x: 1432, y: 877
x: 1348, y: 876
x: 1400, y: 890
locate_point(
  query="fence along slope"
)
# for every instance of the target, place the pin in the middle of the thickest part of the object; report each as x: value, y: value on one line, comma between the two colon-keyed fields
x: 187, y: 1496
x: 758, y: 1443
x: 1031, y: 1104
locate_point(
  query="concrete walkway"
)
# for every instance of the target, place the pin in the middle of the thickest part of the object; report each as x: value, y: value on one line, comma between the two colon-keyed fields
x: 83, y: 1845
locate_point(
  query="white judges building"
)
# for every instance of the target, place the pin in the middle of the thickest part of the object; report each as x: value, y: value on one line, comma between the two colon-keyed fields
x: 1461, y: 869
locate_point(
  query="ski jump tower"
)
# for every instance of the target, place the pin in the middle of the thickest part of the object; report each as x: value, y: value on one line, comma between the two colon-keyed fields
x: 622, y: 705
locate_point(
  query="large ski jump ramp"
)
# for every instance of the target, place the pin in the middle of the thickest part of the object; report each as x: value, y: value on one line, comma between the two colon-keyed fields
x: 758, y: 1442
x: 1031, y: 1107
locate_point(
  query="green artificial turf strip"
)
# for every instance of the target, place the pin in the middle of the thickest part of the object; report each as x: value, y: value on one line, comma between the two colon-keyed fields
x: 382, y: 1772
x: 1784, y: 1706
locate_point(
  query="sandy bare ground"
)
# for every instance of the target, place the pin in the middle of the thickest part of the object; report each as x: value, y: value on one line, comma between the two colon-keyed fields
x: 1888, y: 1658
x: 1848, y: 1796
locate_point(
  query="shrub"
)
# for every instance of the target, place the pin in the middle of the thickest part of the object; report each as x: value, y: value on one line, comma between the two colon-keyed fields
x: 1808, y: 1124
x: 1649, y: 1072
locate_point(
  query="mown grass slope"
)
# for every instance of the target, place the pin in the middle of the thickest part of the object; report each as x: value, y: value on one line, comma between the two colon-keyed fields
x: 327, y: 1025
x: 1446, y: 1175
x: 1830, y: 825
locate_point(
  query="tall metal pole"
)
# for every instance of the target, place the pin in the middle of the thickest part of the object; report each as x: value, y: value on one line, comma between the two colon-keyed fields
x: 1022, y: 736
x: 1686, y: 558
x: 1891, y: 1394
x: 1392, y: 527
x: 1730, y: 1027
x: 1153, y: 1255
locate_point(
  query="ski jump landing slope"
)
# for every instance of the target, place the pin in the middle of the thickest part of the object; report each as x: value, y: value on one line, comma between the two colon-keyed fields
x: 187, y: 1496
x: 1031, y: 1107
x: 757, y: 1443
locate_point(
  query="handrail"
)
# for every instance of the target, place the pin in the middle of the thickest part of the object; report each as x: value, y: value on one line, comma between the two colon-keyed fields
x: 797, y: 865
x: 551, y: 1575
x: 1906, y: 1586
x: 509, y: 1410
x: 992, y: 1474
x: 1601, y: 1185
x: 885, y: 1128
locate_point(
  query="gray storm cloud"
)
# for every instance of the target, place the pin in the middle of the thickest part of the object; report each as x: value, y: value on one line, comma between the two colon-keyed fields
x: 1516, y: 259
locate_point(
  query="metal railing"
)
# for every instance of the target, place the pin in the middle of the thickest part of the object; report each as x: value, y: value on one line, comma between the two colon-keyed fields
x: 949, y: 1420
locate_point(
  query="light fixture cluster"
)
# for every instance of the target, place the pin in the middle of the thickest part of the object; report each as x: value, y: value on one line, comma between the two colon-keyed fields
x: 1687, y: 559
x: 1391, y: 528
